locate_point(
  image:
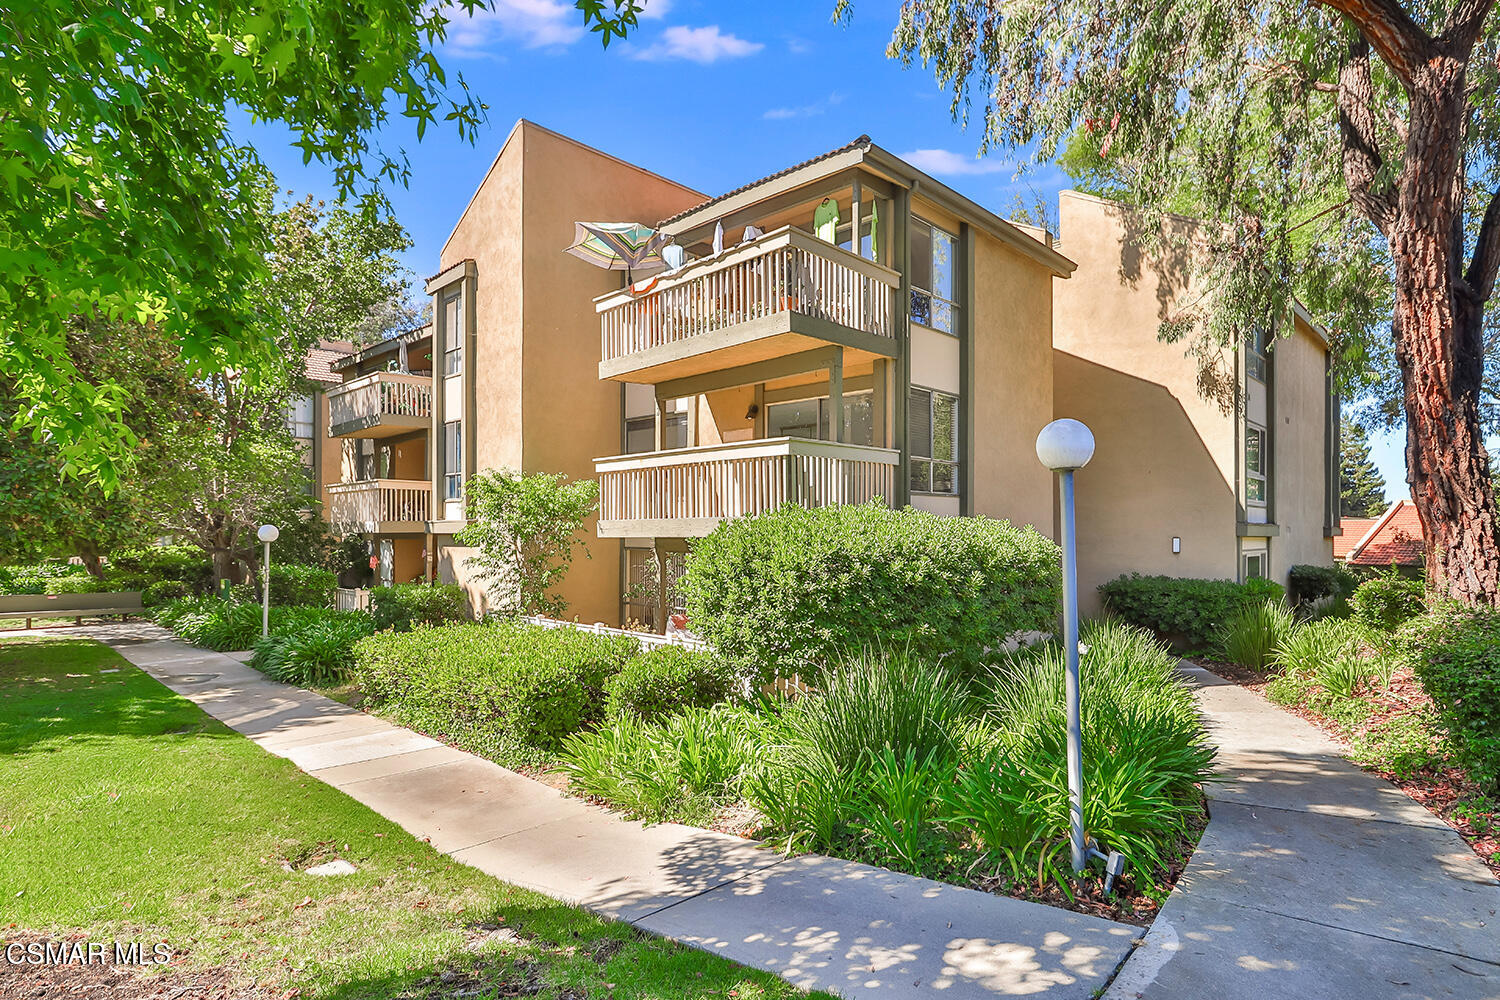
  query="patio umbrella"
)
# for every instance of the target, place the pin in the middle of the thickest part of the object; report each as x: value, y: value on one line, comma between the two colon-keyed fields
x: 617, y: 246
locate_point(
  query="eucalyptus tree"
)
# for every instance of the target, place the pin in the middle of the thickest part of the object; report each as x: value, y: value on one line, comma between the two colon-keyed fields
x: 1346, y: 153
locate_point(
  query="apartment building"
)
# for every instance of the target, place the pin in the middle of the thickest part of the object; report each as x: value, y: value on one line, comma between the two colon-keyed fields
x: 843, y: 330
x: 307, y: 418
x: 1238, y: 485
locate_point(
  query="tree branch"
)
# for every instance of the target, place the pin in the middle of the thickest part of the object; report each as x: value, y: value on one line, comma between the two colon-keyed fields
x: 1362, y: 159
x: 1397, y: 38
x: 1465, y: 21
x: 1480, y: 276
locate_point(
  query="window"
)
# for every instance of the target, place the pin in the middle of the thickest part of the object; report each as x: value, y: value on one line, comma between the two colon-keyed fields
x: 299, y: 417
x: 453, y: 335
x: 1255, y: 354
x: 932, y: 302
x: 640, y: 435
x: 1255, y: 465
x: 932, y: 436
x: 812, y: 418
x: 1254, y: 567
x: 642, y: 587
x: 453, y: 460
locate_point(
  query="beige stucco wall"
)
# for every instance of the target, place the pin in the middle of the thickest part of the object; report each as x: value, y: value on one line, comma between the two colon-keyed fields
x: 1164, y: 463
x: 1300, y: 457
x: 330, y: 454
x: 1013, y: 384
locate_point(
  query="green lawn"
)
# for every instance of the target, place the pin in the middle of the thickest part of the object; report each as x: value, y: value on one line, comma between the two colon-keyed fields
x: 129, y: 814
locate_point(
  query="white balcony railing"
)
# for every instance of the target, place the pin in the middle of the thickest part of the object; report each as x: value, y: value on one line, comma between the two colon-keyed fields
x: 786, y: 271
x: 380, y: 504
x: 684, y: 493
x: 372, y: 399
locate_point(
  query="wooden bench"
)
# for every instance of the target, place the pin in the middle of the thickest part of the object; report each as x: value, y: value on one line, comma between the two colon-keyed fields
x: 75, y: 606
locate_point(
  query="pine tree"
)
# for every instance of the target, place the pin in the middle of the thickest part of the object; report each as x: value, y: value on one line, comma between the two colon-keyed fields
x: 1361, y: 486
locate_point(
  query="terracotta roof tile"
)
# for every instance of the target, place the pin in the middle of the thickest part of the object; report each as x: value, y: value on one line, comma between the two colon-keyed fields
x: 1398, y: 540
x: 320, y: 365
x: 1355, y: 528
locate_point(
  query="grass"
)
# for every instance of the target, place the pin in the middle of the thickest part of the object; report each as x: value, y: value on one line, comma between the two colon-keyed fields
x: 128, y: 814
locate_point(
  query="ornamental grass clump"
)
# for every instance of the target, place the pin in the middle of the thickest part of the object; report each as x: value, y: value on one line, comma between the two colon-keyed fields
x: 1252, y: 637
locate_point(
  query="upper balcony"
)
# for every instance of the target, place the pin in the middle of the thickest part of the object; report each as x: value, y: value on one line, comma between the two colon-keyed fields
x: 782, y: 294
x: 382, y: 404
x: 685, y: 493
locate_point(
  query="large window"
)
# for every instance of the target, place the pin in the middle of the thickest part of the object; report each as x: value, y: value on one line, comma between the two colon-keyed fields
x: 299, y: 417
x: 453, y: 460
x: 932, y: 303
x: 1256, y: 461
x: 932, y: 436
x: 812, y: 418
x: 453, y: 334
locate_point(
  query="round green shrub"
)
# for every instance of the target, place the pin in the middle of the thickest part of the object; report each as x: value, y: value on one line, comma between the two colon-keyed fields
x: 74, y: 583
x: 1388, y: 601
x: 407, y: 605
x: 666, y: 680
x: 789, y: 591
x: 1456, y: 654
x: 1187, y: 611
x: 163, y: 591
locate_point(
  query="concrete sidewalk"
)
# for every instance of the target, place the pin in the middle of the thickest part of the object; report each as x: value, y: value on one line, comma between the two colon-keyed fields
x: 817, y: 922
x: 1315, y: 880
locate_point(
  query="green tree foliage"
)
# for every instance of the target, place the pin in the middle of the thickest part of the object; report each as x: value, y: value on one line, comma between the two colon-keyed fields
x: 1361, y: 486
x: 525, y: 528
x: 1345, y: 154
x: 125, y: 197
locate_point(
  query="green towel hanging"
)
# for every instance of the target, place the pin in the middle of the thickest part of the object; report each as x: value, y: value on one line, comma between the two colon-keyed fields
x: 826, y: 221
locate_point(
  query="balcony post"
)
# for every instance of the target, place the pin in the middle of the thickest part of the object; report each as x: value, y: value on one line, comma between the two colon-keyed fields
x: 836, y: 395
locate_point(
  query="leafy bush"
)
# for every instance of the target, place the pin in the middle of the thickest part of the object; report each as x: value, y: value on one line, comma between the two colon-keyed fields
x: 1456, y: 654
x: 1255, y: 633
x: 494, y: 687
x: 21, y: 580
x: 680, y: 769
x: 665, y: 680
x: 140, y: 568
x: 1388, y: 601
x: 1308, y: 584
x: 231, y: 625
x: 74, y: 583
x: 292, y: 584
x: 407, y: 605
x: 789, y: 591
x: 316, y: 654
x: 163, y: 591
x: 1183, y: 609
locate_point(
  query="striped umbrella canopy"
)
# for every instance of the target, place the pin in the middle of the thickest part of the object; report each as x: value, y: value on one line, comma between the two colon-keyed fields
x: 617, y: 246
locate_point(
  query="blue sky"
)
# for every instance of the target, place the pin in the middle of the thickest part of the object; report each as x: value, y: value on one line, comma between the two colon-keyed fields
x: 710, y: 94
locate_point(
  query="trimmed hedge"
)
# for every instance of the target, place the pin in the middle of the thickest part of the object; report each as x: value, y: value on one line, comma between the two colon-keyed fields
x: 792, y: 590
x: 492, y: 686
x: 138, y: 569
x: 1388, y: 601
x: 407, y: 605
x: 1181, y: 608
x: 76, y: 583
x: 1456, y: 654
x: 1306, y: 583
x: 667, y: 680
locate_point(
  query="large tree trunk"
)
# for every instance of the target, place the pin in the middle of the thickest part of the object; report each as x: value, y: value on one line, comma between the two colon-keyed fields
x: 1439, y: 344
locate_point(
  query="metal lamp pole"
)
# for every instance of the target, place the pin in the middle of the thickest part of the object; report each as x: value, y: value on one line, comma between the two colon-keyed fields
x: 1065, y: 446
x: 268, y: 533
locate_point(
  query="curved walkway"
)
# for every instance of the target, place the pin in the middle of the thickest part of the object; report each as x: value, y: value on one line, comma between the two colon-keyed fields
x: 818, y: 922
x: 1315, y: 880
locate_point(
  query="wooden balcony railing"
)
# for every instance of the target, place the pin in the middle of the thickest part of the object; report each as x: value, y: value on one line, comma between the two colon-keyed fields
x: 685, y: 493
x: 396, y: 400
x: 786, y: 271
x: 380, y: 504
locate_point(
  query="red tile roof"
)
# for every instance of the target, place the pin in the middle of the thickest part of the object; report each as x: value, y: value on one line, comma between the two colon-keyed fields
x: 319, y: 365
x: 1355, y: 528
x: 1395, y: 538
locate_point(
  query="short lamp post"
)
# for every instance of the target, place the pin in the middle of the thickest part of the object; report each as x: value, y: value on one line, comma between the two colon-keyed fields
x: 1065, y: 446
x: 268, y: 533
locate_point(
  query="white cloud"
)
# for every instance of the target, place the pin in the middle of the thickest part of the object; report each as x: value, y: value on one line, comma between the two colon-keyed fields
x: 700, y: 45
x: 653, y: 10
x: 803, y: 111
x: 534, y: 24
x: 946, y: 162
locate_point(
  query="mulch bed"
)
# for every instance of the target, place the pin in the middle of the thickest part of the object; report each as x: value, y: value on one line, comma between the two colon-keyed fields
x: 118, y: 982
x: 1438, y: 789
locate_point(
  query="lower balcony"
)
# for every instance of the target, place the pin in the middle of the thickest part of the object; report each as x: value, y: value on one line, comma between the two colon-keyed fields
x: 685, y: 493
x: 381, y: 506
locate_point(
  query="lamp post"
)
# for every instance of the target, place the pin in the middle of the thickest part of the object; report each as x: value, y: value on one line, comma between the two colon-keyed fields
x: 268, y: 533
x: 1065, y: 446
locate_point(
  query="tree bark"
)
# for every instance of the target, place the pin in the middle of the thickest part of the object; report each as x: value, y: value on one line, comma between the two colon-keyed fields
x: 1439, y: 339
